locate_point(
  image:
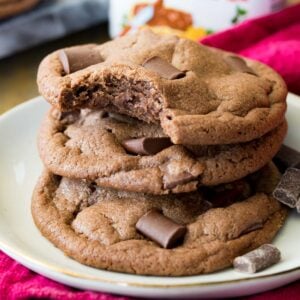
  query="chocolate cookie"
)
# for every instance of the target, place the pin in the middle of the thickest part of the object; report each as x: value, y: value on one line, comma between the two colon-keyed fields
x: 96, y: 145
x: 197, y: 94
x: 97, y: 227
x: 9, y: 8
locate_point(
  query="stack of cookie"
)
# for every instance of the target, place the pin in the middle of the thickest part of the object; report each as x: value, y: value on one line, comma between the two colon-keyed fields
x: 157, y: 155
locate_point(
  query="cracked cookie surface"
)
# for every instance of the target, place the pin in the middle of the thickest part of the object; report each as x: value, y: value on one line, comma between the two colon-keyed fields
x: 221, y: 99
x: 88, y: 145
x: 96, y: 226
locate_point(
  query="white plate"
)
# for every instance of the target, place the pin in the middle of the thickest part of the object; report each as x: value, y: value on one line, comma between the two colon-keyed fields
x: 20, y: 239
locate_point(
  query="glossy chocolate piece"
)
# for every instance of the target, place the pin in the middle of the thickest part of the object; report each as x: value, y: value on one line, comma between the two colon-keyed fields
x: 252, y: 227
x: 171, y: 181
x: 76, y: 59
x: 160, y: 229
x: 288, y: 188
x: 146, y: 146
x: 258, y: 259
x: 239, y: 64
x: 163, y: 68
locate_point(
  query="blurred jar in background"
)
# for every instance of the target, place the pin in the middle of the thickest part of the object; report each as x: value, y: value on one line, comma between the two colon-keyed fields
x: 192, y: 19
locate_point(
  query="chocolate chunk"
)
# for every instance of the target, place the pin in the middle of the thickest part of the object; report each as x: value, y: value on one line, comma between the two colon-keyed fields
x: 163, y: 68
x: 171, y: 180
x: 225, y: 195
x: 74, y: 60
x: 146, y: 146
x: 286, y: 157
x: 257, y: 260
x: 288, y: 188
x: 252, y: 227
x: 239, y: 64
x: 160, y: 229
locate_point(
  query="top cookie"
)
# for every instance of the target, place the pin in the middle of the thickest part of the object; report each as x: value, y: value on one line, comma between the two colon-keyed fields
x: 199, y: 95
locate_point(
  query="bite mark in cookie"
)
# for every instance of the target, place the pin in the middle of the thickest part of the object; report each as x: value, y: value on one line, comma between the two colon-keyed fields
x: 197, y: 94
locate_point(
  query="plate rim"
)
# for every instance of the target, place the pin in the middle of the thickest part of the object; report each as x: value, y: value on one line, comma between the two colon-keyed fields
x: 19, y: 256
x: 5, y: 248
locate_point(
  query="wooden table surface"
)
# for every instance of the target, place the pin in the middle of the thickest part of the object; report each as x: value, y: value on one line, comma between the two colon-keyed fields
x: 18, y: 72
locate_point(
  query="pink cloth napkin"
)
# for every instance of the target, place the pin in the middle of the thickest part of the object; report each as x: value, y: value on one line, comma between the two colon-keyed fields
x: 19, y: 283
x: 273, y: 40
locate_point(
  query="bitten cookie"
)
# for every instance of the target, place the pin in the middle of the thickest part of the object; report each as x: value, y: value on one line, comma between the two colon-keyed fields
x: 198, y: 95
x: 97, y: 227
x: 94, y: 145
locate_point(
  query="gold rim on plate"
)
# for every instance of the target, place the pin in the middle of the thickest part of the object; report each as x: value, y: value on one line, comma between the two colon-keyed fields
x: 5, y: 248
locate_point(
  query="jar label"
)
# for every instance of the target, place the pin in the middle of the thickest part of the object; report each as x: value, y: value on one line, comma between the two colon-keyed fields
x: 192, y: 19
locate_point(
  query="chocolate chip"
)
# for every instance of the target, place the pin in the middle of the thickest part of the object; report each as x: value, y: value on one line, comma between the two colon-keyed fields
x: 146, y: 146
x: 171, y: 180
x: 239, y: 64
x: 74, y: 59
x: 252, y: 227
x: 160, y: 229
x: 257, y: 260
x: 163, y: 68
x: 225, y: 195
x: 286, y: 157
x: 288, y: 188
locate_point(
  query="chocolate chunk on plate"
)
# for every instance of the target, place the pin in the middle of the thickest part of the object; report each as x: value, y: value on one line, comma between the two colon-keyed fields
x: 163, y: 68
x: 288, y: 188
x: 160, y: 229
x: 146, y: 146
x: 75, y: 59
x: 258, y: 259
